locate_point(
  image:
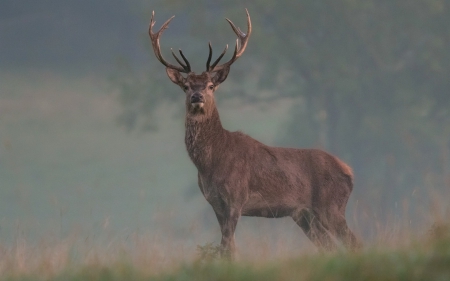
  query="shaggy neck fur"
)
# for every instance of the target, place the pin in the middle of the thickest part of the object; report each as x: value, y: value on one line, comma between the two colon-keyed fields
x: 203, y: 133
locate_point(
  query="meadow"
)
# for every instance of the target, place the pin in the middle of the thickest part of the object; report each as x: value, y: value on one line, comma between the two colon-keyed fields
x: 82, y: 199
x: 424, y: 258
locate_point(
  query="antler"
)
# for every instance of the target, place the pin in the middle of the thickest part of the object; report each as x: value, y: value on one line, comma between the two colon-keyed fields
x: 241, y: 44
x: 186, y: 68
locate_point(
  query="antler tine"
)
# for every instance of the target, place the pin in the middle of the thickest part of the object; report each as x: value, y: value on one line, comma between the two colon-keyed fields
x: 185, y: 60
x: 209, y: 56
x: 220, y: 57
x: 209, y: 68
x: 241, y: 44
x: 157, y: 48
x: 185, y: 66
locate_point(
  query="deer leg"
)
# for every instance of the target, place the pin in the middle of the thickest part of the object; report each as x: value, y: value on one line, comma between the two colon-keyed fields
x: 314, y: 230
x: 343, y: 233
x: 228, y: 221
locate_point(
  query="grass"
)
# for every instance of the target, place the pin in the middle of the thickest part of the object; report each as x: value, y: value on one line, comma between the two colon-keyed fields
x: 427, y: 258
x: 66, y: 168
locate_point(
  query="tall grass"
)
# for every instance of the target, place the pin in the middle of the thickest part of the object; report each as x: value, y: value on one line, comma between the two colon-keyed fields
x: 155, y: 258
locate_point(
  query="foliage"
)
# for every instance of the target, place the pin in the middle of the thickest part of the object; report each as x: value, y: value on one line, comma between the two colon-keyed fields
x: 368, y: 80
x: 208, y: 252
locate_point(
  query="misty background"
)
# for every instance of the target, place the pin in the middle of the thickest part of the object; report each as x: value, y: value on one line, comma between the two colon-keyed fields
x: 92, y: 131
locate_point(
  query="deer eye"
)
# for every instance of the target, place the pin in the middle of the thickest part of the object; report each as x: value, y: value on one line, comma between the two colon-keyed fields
x: 211, y: 87
x: 185, y: 87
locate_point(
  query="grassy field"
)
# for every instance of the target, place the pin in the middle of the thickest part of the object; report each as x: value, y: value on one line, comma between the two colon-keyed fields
x: 80, y: 199
x: 427, y: 258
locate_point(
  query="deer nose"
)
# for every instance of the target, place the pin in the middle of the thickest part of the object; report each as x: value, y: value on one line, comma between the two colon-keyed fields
x: 197, y: 98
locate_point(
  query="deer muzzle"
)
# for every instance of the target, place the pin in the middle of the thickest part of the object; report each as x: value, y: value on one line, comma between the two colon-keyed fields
x: 197, y: 100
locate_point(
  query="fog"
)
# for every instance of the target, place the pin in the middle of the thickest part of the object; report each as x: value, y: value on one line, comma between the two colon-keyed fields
x: 92, y: 131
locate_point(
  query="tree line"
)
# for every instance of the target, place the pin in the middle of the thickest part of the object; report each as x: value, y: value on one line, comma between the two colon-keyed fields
x: 369, y: 82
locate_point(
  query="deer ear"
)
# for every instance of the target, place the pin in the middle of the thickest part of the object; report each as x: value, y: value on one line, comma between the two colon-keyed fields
x: 175, y: 76
x: 220, y: 76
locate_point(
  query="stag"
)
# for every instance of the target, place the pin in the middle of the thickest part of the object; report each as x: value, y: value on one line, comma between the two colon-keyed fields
x: 240, y: 176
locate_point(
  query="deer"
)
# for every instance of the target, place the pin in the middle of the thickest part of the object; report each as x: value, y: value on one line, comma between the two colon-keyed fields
x: 240, y: 176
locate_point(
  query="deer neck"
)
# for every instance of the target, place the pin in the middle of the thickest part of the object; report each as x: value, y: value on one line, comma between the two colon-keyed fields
x: 203, y: 134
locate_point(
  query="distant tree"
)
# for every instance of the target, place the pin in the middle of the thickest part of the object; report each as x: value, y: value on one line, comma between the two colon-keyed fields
x: 369, y: 80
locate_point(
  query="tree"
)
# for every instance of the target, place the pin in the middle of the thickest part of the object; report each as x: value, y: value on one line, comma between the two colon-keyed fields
x: 370, y: 81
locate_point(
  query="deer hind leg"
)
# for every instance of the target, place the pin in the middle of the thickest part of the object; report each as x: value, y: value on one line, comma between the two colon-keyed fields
x: 340, y: 228
x: 314, y: 230
x: 228, y: 220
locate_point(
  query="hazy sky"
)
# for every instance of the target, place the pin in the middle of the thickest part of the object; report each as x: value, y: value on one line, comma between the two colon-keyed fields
x: 69, y: 36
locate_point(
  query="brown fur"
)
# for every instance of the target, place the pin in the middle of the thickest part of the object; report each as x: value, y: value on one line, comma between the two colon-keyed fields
x: 240, y: 176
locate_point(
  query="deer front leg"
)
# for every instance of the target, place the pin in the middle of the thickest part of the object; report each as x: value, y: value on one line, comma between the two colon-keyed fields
x: 228, y: 219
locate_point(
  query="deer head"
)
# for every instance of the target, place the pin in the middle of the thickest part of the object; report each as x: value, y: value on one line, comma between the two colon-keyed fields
x: 200, y: 88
